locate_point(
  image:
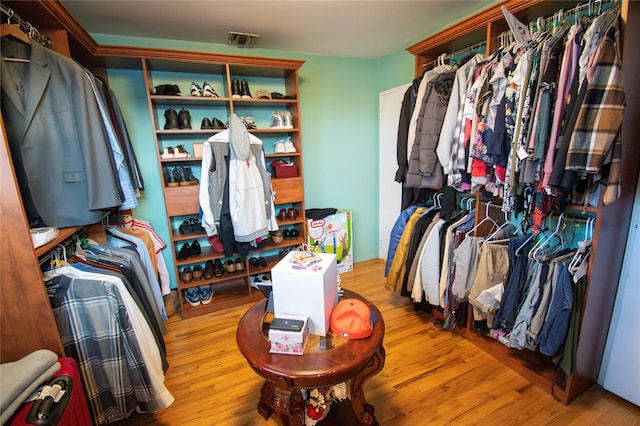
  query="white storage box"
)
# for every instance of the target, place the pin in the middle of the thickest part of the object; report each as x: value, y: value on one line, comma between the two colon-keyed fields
x: 289, y: 342
x: 306, y: 291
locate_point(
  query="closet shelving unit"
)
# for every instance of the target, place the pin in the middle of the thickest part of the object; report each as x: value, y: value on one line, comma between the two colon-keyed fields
x: 612, y: 221
x: 182, y: 202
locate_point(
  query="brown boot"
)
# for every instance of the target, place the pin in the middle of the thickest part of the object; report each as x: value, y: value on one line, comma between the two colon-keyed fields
x: 171, y: 303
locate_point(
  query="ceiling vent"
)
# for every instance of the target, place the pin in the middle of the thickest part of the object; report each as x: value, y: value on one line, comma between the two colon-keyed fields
x: 241, y: 39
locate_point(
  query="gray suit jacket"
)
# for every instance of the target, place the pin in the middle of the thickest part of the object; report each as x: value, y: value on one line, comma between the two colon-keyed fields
x: 56, y: 135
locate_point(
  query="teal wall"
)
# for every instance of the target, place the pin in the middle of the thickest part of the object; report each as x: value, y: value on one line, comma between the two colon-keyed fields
x: 339, y: 111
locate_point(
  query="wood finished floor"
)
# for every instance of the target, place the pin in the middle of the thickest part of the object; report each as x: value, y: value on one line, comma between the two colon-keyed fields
x: 430, y: 377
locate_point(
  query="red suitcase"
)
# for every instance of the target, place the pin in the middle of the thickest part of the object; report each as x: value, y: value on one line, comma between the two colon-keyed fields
x: 70, y: 410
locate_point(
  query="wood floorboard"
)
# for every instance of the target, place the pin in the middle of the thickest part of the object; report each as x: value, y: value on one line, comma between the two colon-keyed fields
x: 430, y: 377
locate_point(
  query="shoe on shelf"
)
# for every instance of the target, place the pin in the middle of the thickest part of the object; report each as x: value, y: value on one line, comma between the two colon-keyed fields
x: 277, y: 122
x: 195, y: 249
x: 286, y: 234
x: 282, y: 215
x: 192, y: 296
x: 208, y: 270
x: 196, y: 226
x: 186, y: 275
x: 208, y: 91
x: 235, y: 89
x: 218, y: 268
x: 206, y: 124
x: 277, y: 236
x: 262, y: 262
x: 169, y: 177
x: 239, y: 264
x: 230, y: 266
x: 185, y: 227
x: 196, y: 90
x: 249, y: 123
x: 253, y: 261
x: 244, y: 90
x: 217, y: 124
x: 293, y: 234
x: 287, y: 122
x: 186, y: 176
x: 206, y: 294
x: 292, y: 214
x: 171, y: 119
x: 167, y: 152
x: 184, y: 119
x: 185, y: 252
x: 180, y: 152
x: 279, y: 147
x: 289, y: 147
x: 198, y: 272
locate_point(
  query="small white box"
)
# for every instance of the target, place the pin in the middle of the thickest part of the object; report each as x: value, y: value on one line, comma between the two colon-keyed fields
x: 306, y: 291
x: 289, y: 342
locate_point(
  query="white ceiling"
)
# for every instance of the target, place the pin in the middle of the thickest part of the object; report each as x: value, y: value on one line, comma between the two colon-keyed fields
x: 354, y: 28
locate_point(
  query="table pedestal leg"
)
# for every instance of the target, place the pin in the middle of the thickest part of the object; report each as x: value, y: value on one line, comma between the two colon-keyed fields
x: 279, y: 398
x: 363, y: 411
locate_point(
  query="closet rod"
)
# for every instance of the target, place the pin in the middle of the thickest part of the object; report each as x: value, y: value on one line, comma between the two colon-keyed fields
x: 595, y: 8
x: 457, y: 52
x: 25, y: 26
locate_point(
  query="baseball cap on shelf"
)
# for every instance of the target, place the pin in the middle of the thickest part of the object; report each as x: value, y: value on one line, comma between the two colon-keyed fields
x: 353, y: 319
x: 262, y: 94
x: 278, y: 95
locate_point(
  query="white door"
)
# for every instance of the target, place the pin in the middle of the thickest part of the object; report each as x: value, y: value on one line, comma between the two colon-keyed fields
x: 390, y: 196
x: 620, y: 369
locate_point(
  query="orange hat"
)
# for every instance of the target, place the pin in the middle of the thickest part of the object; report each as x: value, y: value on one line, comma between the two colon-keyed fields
x: 353, y: 319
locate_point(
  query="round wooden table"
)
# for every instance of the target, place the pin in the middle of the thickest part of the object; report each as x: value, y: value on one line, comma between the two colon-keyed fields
x: 326, y: 361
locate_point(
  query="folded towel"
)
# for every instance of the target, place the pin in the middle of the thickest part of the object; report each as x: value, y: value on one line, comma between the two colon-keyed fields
x: 19, y: 379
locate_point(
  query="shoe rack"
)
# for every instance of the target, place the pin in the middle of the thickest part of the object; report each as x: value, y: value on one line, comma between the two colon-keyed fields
x: 235, y: 81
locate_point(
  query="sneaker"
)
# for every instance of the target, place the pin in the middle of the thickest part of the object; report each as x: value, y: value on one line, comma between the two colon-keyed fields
x: 180, y: 152
x: 169, y: 177
x: 287, y: 122
x: 171, y: 119
x: 208, y: 91
x: 196, y: 90
x: 235, y: 89
x: 206, y: 294
x: 167, y: 153
x: 288, y: 146
x: 277, y: 120
x: 244, y: 90
x: 249, y: 123
x: 279, y: 147
x: 187, y: 177
x: 184, y: 119
x: 192, y: 296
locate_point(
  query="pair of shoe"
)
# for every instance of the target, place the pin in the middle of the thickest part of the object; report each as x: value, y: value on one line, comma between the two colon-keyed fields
x: 177, y: 152
x: 234, y: 266
x: 177, y: 120
x: 281, y: 120
x: 187, y: 275
x: 187, y: 250
x: 258, y: 262
x: 179, y: 175
x: 248, y: 122
x: 214, y: 123
x: 191, y: 226
x: 217, y: 268
x: 291, y: 214
x: 290, y: 234
x: 197, y: 295
x: 207, y: 90
x: 284, y: 147
x: 240, y: 89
